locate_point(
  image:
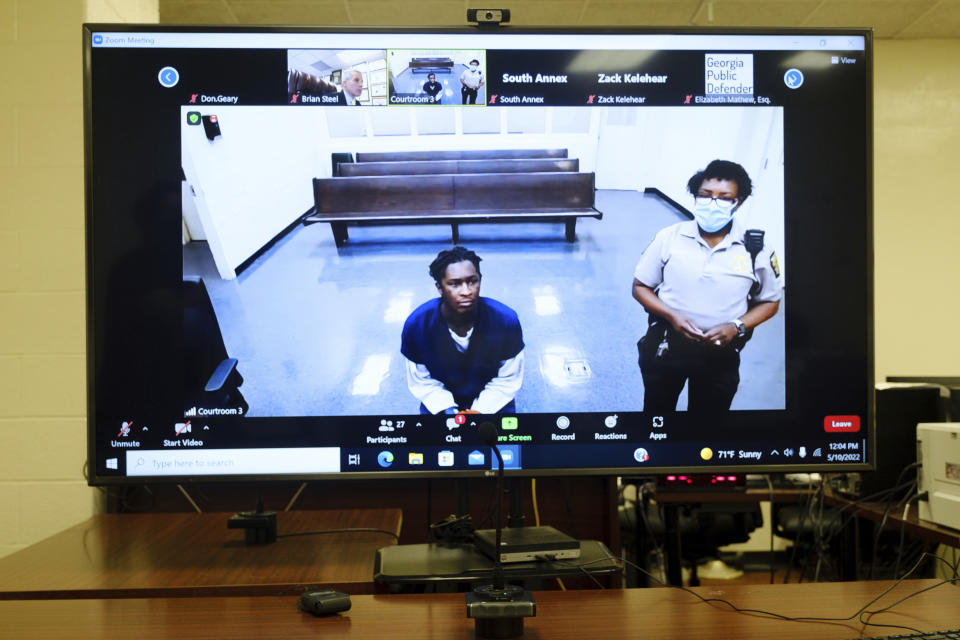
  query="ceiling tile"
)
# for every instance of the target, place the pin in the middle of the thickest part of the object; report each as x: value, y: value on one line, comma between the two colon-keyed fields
x: 887, y: 17
x: 293, y: 12
x: 941, y: 21
x: 640, y: 12
x: 544, y: 12
x: 752, y: 13
x: 195, y: 12
x: 434, y: 13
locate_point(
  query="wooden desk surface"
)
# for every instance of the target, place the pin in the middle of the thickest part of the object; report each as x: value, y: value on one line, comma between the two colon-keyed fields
x: 892, y: 516
x: 188, y: 554
x: 652, y: 614
x: 747, y: 495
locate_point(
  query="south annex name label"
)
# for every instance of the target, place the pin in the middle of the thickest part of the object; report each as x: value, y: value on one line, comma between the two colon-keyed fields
x: 528, y: 78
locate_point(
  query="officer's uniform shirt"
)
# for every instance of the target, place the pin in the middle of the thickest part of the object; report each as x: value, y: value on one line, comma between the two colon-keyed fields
x: 708, y: 285
x: 472, y: 78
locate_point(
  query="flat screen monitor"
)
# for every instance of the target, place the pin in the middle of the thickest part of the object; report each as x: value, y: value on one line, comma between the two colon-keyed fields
x: 334, y: 253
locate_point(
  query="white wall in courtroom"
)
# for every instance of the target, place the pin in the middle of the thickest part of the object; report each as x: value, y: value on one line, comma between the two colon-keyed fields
x: 255, y: 179
x: 662, y: 147
x: 917, y: 212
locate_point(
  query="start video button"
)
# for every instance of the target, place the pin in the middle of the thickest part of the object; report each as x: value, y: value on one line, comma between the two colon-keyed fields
x: 841, y: 424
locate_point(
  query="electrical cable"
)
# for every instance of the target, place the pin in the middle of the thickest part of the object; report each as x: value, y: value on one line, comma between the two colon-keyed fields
x: 536, y: 519
x: 903, y: 522
x: 770, y: 486
x: 796, y: 542
x: 189, y: 499
x: 883, y: 522
x: 641, y: 490
x: 296, y: 495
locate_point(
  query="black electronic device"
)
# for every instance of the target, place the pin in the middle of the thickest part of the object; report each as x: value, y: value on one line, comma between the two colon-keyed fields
x: 701, y: 481
x: 211, y: 126
x: 295, y: 366
x: 498, y: 609
x: 900, y: 407
x: 324, y: 602
x: 526, y: 544
x: 488, y: 16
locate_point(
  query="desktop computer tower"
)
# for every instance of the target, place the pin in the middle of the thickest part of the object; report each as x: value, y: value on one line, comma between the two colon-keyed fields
x: 899, y: 407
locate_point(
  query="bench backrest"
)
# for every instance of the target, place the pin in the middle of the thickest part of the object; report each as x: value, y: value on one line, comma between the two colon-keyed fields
x: 427, y: 167
x: 451, y: 192
x: 469, y: 154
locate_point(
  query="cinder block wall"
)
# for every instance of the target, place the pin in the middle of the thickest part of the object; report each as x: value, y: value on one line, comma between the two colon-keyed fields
x: 42, y: 343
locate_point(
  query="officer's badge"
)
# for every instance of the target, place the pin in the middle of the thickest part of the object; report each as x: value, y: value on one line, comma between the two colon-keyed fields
x: 741, y: 264
x: 774, y: 264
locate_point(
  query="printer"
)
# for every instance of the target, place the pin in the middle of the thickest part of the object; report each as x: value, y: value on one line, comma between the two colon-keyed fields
x: 938, y: 452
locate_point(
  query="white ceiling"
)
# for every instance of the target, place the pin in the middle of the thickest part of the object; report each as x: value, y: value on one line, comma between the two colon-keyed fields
x: 889, y: 18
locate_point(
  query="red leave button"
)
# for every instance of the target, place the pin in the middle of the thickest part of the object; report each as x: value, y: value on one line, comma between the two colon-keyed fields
x: 841, y: 424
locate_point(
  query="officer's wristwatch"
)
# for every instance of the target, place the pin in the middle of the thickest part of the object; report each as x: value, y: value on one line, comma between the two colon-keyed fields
x: 741, y: 328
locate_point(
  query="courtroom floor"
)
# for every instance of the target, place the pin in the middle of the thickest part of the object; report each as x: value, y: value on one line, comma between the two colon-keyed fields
x: 316, y: 328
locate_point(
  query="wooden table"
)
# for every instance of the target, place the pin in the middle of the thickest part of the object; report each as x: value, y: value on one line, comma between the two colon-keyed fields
x: 190, y: 554
x: 892, y: 516
x: 652, y: 614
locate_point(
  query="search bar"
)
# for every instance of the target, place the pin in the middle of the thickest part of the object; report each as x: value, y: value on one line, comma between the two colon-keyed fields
x: 220, y: 462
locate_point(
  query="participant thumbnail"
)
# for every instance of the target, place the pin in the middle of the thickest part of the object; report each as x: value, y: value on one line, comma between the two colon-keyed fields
x: 437, y: 76
x: 344, y: 77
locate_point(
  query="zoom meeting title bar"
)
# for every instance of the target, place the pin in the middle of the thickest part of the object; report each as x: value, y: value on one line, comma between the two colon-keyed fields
x: 480, y: 40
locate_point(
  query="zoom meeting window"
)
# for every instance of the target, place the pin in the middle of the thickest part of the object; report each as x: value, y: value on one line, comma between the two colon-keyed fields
x: 617, y: 254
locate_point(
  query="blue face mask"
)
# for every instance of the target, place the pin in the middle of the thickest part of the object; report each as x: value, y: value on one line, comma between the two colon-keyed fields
x: 712, y: 218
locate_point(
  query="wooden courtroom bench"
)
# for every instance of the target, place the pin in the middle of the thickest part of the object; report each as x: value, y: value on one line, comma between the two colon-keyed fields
x: 453, y: 199
x: 466, y: 154
x: 427, y: 167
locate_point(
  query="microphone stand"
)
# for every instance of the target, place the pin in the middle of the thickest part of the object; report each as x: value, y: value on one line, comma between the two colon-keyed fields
x: 498, y: 609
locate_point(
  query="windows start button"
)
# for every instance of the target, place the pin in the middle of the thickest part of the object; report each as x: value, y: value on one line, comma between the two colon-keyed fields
x: 841, y: 424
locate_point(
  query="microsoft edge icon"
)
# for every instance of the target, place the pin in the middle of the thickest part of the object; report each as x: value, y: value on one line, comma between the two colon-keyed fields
x: 385, y: 459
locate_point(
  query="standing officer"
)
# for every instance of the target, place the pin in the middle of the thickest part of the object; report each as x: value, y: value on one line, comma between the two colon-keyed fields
x: 705, y: 285
x: 471, y: 80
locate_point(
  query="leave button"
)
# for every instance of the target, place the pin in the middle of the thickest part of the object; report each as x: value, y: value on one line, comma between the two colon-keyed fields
x: 841, y: 424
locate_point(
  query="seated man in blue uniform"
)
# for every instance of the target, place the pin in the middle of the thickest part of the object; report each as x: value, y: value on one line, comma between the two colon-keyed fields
x: 464, y: 352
